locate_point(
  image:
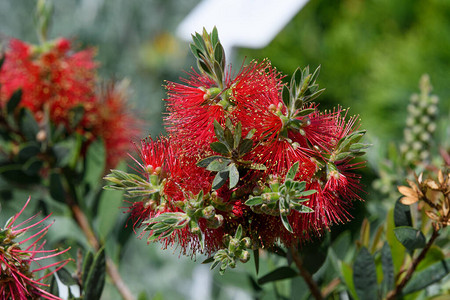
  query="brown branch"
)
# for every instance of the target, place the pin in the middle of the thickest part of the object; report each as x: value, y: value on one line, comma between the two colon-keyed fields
x: 111, y: 268
x: 330, y: 287
x: 312, y: 285
x: 398, y: 289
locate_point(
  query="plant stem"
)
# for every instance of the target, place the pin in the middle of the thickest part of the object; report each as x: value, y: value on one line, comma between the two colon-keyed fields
x: 313, y: 287
x: 398, y: 289
x: 111, y: 268
x: 83, y: 222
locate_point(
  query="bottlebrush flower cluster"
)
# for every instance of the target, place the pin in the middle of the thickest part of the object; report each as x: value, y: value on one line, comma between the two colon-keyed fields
x: 18, y: 279
x: 249, y: 161
x: 59, y: 84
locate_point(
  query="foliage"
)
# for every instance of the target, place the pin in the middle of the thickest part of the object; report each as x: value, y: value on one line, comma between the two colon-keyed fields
x: 402, y: 248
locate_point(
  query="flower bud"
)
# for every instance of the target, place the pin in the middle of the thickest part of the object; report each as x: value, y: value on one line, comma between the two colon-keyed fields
x: 41, y: 136
x: 209, y: 212
x: 245, y: 256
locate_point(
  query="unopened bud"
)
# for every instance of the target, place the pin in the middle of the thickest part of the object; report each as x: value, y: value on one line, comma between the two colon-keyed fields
x: 41, y: 135
x: 216, y: 222
x: 245, y: 256
x: 208, y: 212
x: 246, y: 243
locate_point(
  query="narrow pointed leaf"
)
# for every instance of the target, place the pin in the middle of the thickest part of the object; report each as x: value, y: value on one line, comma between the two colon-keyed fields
x: 254, y: 201
x: 65, y: 277
x: 292, y: 171
x: 278, y: 274
x: 234, y: 175
x: 388, y: 269
x: 245, y: 146
x: 218, y: 130
x: 96, y: 277
x: 14, y: 101
x: 87, y: 263
x: 286, y: 224
x: 237, y: 135
x: 256, y: 258
x: 365, y: 275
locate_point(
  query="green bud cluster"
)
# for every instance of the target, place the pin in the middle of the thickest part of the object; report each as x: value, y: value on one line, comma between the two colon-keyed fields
x: 420, y: 124
x: 280, y: 198
x: 231, y: 147
x: 235, y: 249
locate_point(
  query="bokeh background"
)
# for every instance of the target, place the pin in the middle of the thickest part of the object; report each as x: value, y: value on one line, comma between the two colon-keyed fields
x: 372, y: 55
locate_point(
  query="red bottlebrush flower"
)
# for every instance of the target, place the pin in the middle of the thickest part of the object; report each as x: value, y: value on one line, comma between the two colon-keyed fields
x: 111, y: 120
x: 256, y: 92
x: 17, y: 258
x: 192, y: 111
x: 55, y: 78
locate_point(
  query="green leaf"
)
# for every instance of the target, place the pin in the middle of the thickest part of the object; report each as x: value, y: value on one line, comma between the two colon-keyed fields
x: 388, y: 269
x: 305, y: 112
x: 430, y: 275
x: 65, y: 151
x: 95, y: 162
x: 410, y: 238
x: 87, y: 263
x: 54, y: 290
x: 65, y: 277
x: 256, y: 259
x: 28, y: 124
x: 286, y: 96
x: 218, y: 130
x: 365, y: 275
x: 13, y: 101
x: 285, y: 222
x: 308, y: 192
x: 281, y: 273
x: 292, y: 171
x: 214, y: 36
x: 402, y: 214
x: 108, y: 212
x: 234, y: 175
x: 434, y: 254
x: 220, y: 179
x: 237, y: 135
x: 75, y: 115
x: 220, y: 147
x: 347, y: 274
x: 218, y: 165
x: 28, y: 151
x: 303, y: 208
x: 254, y: 201
x: 33, y: 166
x: 245, y: 146
x: 56, y: 187
x: 397, y: 249
x: 250, y: 134
x: 206, y: 161
x: 208, y: 260
x: 2, y: 60
x: 229, y: 138
x: 238, y: 234
x: 96, y: 277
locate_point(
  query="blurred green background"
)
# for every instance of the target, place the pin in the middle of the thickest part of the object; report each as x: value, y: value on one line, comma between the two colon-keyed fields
x: 372, y: 54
